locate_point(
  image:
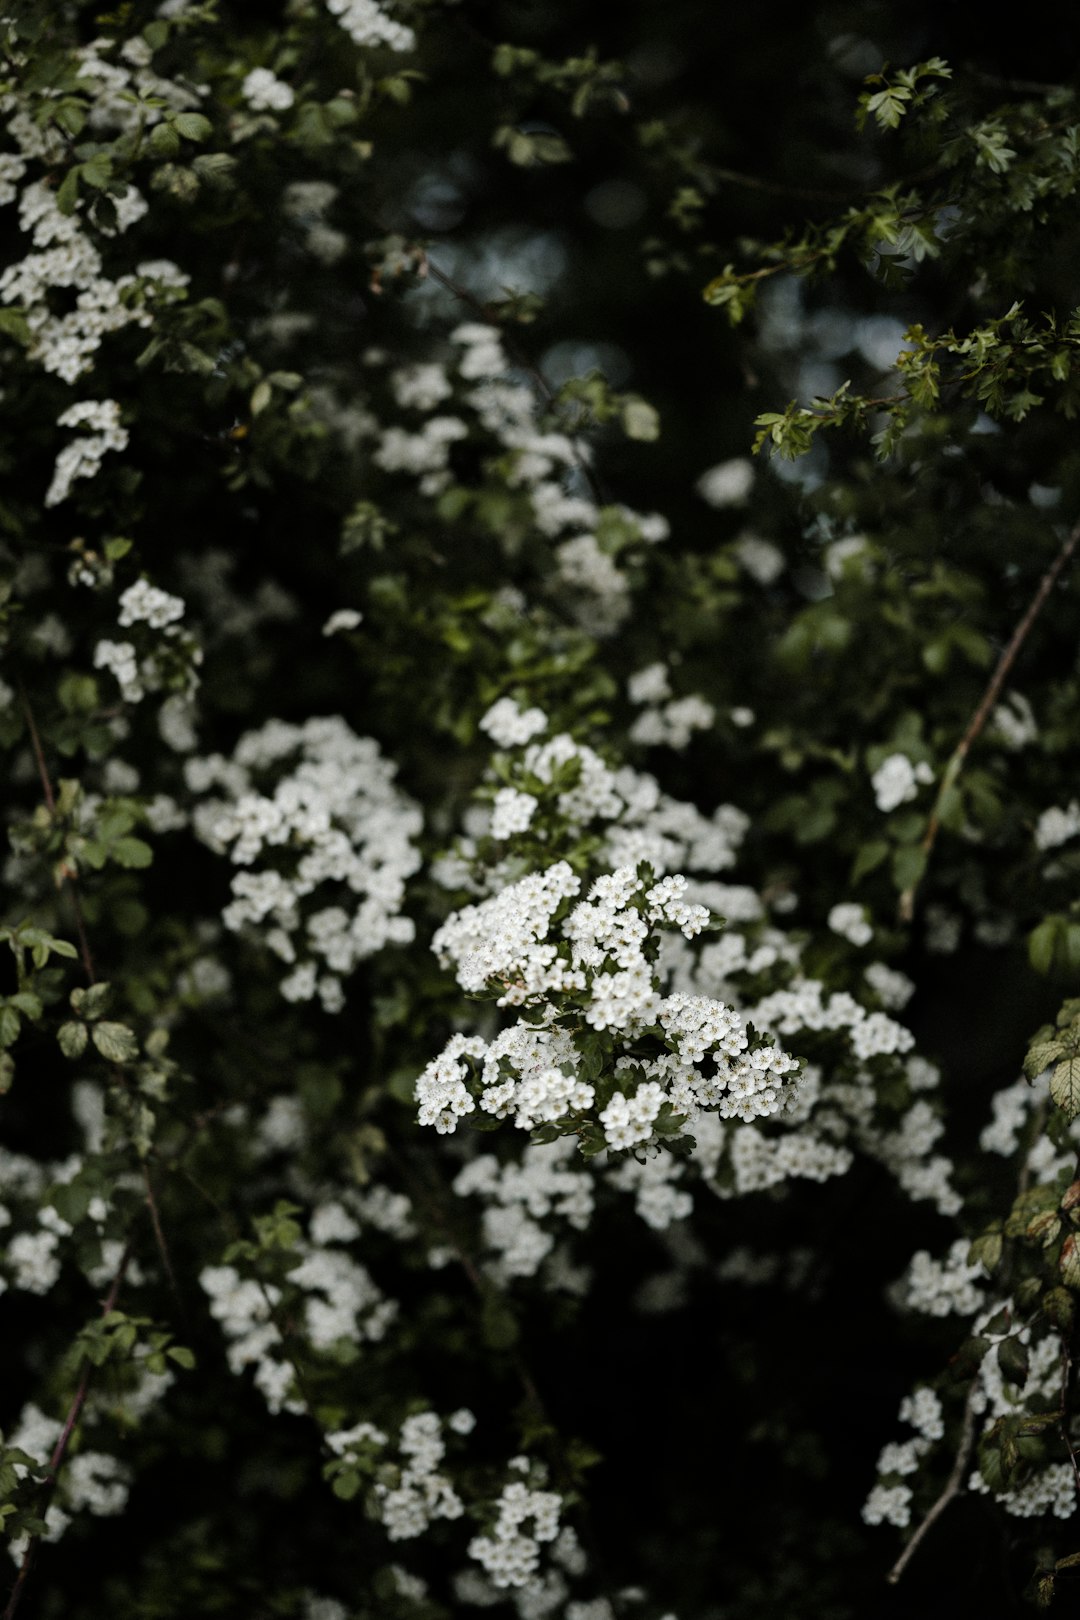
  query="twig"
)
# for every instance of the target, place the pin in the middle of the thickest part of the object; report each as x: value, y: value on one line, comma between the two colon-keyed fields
x: 70, y: 879
x: 60, y: 1449
x: 1066, y: 1372
x: 986, y: 704
x: 951, y: 1489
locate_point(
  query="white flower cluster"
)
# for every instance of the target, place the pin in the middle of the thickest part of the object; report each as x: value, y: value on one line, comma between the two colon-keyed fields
x: 367, y: 24
x: 514, y: 945
x: 510, y: 726
x: 763, y: 561
x: 673, y: 724
x: 420, y: 387
x: 423, y: 1492
x: 510, y: 1552
x: 65, y: 260
x: 143, y: 603
x: 896, y: 781
x: 90, y: 1482
x: 1057, y: 826
x: 265, y: 92
x: 848, y: 919
x: 1048, y: 1490
x: 803, y: 1005
x: 728, y: 484
x: 146, y: 603
x: 100, y: 419
x: 334, y: 826
x: 1014, y: 721
x: 518, y: 1196
x: 889, y: 1501
x: 944, y: 1287
x: 244, y: 1309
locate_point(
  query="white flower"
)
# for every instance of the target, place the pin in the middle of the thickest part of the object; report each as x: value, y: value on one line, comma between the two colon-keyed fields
x: 728, y: 484
x: 265, y: 92
x: 849, y: 920
x: 343, y: 619
x: 896, y: 781
x: 510, y: 726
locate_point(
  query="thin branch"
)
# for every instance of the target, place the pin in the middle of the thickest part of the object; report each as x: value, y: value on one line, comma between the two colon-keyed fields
x: 1063, y: 1426
x: 987, y: 702
x: 952, y: 1488
x: 71, y: 882
x: 74, y: 1412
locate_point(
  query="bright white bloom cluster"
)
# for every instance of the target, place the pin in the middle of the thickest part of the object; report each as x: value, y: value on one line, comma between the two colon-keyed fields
x: 510, y: 1552
x: 265, y: 92
x: 888, y: 1504
x: 333, y: 829
x: 728, y: 484
x: 1048, y: 1490
x: 367, y: 24
x: 673, y: 724
x: 100, y: 420
x: 510, y: 726
x: 1014, y: 721
x: 511, y: 812
x: 420, y: 387
x: 146, y: 603
x: 65, y: 260
x: 544, y: 1185
x: 244, y: 1309
x: 889, y: 1501
x: 763, y: 561
x: 423, y: 1492
x: 649, y: 685
x: 122, y: 662
x: 343, y: 619
x: 848, y: 919
x: 530, y: 947
x: 1056, y: 826
x: 896, y: 781
x: 426, y: 454
x: 90, y: 1482
x: 893, y: 987
x: 944, y: 1287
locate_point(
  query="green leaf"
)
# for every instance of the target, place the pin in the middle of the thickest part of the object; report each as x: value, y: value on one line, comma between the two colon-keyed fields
x: 1069, y: 1262
x: 131, y: 852
x: 9, y: 1026
x: 72, y: 1037
x: 1065, y: 1086
x: 193, y: 126
x: 164, y: 141
x: 68, y: 193
x: 1041, y: 1056
x: 1013, y: 1360
x: 115, y: 1042
x: 182, y: 1356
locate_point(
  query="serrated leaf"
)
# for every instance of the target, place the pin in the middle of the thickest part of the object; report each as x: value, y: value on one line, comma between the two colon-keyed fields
x: 1065, y: 1086
x: 115, y: 1042
x: 1057, y: 1307
x: 1041, y: 1056
x: 131, y: 852
x: 1069, y: 1262
x: 72, y: 1037
x: 193, y: 126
